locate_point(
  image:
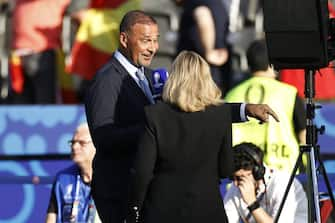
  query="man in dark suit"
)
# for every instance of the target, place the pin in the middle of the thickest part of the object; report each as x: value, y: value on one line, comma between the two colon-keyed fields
x: 115, y: 112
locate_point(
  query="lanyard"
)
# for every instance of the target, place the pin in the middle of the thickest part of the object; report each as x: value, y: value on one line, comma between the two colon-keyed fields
x: 75, y: 205
x: 89, y: 202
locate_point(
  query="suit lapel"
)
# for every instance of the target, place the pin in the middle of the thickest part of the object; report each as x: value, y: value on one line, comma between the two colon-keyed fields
x: 129, y: 82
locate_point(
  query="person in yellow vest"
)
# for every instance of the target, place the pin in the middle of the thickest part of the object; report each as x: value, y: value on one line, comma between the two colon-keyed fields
x: 279, y: 140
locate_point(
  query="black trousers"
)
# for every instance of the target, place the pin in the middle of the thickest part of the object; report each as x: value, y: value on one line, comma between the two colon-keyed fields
x: 40, y: 79
x: 110, y: 210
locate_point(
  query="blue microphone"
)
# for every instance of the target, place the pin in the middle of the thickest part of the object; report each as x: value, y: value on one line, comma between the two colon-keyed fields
x: 158, y: 78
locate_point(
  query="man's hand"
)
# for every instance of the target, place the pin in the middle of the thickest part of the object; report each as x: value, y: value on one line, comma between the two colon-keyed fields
x: 217, y: 57
x: 260, y: 112
x: 247, y: 186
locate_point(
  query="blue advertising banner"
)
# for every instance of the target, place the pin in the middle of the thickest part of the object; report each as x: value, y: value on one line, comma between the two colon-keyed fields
x: 25, y: 130
x: 25, y: 185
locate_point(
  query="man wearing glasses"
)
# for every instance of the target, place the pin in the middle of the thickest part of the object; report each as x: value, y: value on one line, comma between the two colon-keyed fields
x: 71, y: 199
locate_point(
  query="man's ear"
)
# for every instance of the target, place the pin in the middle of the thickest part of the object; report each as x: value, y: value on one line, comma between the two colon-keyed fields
x: 123, y: 39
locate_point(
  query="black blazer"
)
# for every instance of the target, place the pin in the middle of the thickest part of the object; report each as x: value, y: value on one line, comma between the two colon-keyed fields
x: 181, y: 158
x: 115, y: 114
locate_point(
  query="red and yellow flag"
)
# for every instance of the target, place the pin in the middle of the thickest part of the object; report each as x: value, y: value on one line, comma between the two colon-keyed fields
x: 98, y: 36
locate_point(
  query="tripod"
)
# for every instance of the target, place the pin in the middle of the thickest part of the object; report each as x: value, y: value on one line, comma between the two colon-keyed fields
x: 311, y: 149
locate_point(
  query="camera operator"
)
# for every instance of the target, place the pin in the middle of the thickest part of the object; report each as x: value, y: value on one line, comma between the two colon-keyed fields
x: 257, y: 191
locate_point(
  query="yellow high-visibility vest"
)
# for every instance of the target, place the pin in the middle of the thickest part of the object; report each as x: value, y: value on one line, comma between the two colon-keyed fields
x: 276, y: 139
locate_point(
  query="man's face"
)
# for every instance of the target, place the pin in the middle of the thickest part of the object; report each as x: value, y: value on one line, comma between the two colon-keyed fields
x: 242, y: 174
x: 82, y: 148
x: 141, y: 43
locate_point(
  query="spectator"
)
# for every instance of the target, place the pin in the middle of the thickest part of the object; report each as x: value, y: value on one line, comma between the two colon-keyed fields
x: 257, y: 191
x: 279, y: 141
x: 71, y: 199
x: 204, y: 28
x: 36, y: 43
x: 115, y: 112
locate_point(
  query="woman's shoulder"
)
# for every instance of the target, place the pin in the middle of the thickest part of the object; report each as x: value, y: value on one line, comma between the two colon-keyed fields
x: 160, y: 105
x: 160, y: 109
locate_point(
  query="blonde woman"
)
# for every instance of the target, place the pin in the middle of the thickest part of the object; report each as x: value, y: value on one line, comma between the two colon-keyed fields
x: 184, y: 151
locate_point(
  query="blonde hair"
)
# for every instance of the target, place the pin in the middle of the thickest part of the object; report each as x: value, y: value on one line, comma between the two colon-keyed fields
x: 190, y: 85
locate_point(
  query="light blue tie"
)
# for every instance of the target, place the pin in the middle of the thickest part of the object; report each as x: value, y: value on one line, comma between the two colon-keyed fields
x: 143, y: 82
